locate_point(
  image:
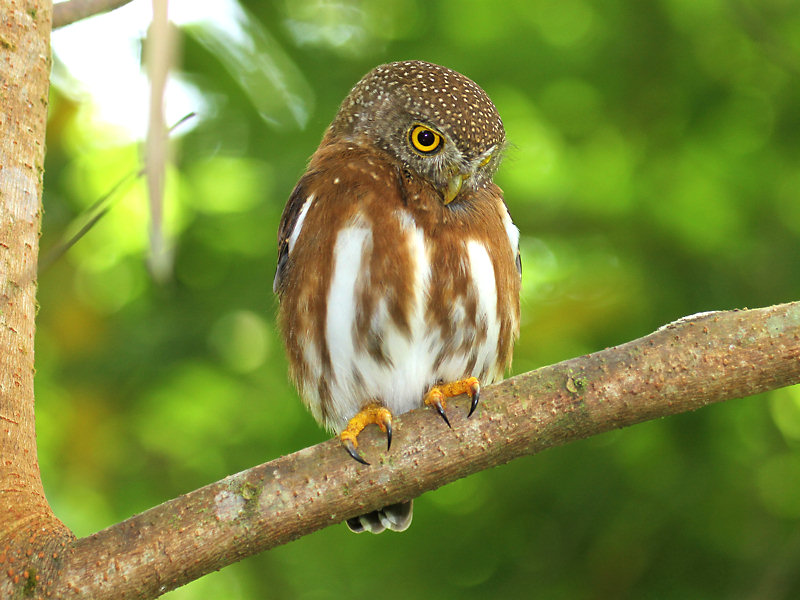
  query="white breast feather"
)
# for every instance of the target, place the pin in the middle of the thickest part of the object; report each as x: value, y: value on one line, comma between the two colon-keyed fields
x: 483, y: 280
x: 349, y: 255
x: 400, y: 385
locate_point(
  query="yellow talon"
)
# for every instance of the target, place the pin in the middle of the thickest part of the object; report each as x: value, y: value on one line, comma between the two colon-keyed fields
x: 438, y: 394
x: 372, y: 413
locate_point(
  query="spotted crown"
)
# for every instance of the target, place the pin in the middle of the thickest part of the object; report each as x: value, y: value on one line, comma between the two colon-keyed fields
x: 432, y: 94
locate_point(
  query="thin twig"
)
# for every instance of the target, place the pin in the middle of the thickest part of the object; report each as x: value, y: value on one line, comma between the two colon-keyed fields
x: 65, y: 13
x: 80, y: 226
x: 159, y: 53
x: 89, y: 217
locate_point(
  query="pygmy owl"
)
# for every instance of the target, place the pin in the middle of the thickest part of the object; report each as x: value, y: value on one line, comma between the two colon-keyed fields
x: 398, y: 263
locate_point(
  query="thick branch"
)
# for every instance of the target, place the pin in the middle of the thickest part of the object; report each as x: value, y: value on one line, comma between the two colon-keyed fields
x: 29, y: 532
x: 684, y: 366
x: 68, y: 12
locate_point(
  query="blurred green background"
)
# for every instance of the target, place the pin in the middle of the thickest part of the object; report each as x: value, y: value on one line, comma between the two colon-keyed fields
x: 654, y: 173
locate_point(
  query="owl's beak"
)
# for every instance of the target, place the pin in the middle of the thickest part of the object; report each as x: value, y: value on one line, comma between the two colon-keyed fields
x: 457, y: 179
x: 454, y: 186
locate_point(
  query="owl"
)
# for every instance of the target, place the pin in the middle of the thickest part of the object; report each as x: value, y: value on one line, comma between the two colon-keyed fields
x: 398, y: 270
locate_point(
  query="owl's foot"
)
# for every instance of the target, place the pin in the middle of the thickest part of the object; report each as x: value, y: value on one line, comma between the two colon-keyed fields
x: 437, y: 396
x: 372, y: 413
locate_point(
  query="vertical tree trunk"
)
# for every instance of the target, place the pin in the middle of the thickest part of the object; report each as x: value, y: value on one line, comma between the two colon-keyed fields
x: 30, y: 535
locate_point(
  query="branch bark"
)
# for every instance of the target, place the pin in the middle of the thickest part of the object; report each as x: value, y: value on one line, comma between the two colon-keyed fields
x: 681, y: 367
x: 30, y: 535
x: 68, y: 12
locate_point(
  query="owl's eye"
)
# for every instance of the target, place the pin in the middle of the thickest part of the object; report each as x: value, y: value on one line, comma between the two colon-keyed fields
x: 424, y: 139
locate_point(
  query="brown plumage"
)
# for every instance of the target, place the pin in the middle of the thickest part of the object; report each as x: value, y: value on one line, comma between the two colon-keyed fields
x: 398, y: 263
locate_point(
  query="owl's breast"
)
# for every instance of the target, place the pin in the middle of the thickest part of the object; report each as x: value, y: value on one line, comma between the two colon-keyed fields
x: 394, y: 303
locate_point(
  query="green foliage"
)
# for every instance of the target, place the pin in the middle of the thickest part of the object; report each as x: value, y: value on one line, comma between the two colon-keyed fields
x: 654, y: 172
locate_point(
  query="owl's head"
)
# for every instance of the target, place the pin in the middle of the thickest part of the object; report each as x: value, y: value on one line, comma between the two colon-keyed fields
x: 437, y: 122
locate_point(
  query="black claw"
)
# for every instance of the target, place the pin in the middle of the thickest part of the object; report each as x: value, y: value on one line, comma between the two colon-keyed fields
x: 442, y: 414
x: 388, y: 426
x: 475, y: 399
x: 351, y: 450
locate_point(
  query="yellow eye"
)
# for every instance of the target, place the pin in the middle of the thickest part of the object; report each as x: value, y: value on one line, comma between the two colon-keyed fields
x: 424, y: 139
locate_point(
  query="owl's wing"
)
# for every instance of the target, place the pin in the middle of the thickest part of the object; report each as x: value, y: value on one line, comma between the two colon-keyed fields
x: 290, y: 220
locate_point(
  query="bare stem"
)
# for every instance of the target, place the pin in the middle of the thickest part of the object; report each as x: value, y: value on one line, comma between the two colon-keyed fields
x: 65, y: 13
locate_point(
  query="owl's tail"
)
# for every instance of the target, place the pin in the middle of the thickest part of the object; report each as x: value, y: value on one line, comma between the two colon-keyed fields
x: 396, y: 517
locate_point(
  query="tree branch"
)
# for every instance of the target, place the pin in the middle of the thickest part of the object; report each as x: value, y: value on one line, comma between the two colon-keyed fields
x: 68, y: 12
x: 29, y: 532
x: 681, y: 367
